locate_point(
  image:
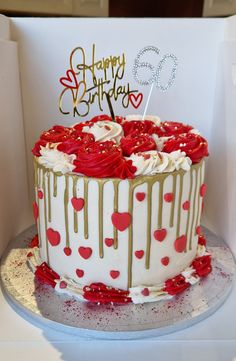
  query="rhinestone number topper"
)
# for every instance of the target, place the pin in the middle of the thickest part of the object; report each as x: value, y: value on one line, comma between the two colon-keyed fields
x: 156, y: 71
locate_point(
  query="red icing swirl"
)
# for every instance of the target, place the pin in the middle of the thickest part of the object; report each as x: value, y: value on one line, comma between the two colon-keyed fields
x: 176, y: 285
x: 37, y: 147
x: 193, y: 145
x: 102, y: 160
x: 175, y: 128
x: 134, y: 143
x: 71, y: 146
x: 202, y: 265
x: 100, y: 293
x: 58, y: 134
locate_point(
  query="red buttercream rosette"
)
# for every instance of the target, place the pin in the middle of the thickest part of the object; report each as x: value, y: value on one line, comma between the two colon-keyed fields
x: 174, y: 128
x: 176, y: 285
x: 193, y: 145
x: 98, y: 118
x: 140, y: 127
x: 71, y: 146
x: 202, y: 265
x: 103, y: 160
x: 58, y: 134
x: 134, y: 143
x: 37, y: 147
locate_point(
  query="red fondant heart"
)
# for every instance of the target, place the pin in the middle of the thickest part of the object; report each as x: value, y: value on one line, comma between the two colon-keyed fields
x: 145, y: 292
x: 165, y: 261
x: 35, y: 211
x: 40, y: 194
x: 139, y: 254
x: 140, y: 196
x: 186, y: 205
x: 109, y: 242
x: 79, y: 272
x: 168, y: 197
x: 121, y: 220
x: 203, y: 190
x: 160, y: 234
x: 67, y: 251
x: 77, y: 203
x: 85, y: 252
x: 114, y: 274
x: 198, y: 230
x: 70, y: 80
x: 53, y: 237
x: 180, y: 243
x: 135, y: 100
x: 63, y: 284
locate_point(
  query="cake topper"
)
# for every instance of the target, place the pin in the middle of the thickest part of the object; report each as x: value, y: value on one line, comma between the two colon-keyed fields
x: 155, y: 76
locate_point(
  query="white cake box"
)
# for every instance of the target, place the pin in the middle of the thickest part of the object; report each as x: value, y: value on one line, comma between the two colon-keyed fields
x: 35, y: 54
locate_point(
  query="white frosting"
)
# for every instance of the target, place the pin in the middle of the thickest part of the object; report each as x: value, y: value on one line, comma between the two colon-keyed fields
x: 56, y: 160
x: 156, y: 293
x: 190, y: 275
x: 105, y: 130
x: 195, y: 131
x: 160, y: 141
x: 153, y: 118
x: 153, y: 162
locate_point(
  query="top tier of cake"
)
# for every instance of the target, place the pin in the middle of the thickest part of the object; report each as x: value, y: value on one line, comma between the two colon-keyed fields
x: 123, y: 148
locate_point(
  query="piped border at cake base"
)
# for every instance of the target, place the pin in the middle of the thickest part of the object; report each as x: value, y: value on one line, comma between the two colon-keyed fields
x: 103, y: 294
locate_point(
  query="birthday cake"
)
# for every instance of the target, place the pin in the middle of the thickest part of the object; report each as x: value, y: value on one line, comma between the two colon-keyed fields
x: 118, y: 207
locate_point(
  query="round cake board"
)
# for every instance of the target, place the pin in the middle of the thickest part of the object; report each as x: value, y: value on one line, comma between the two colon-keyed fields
x: 43, y: 306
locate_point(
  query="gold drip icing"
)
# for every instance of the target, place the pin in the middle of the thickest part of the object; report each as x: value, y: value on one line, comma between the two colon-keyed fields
x: 86, y: 233
x: 54, y: 185
x: 100, y: 217
x: 116, y: 205
x: 149, y: 224
x: 194, y: 208
x: 49, y: 197
x: 179, y: 203
x: 130, y: 239
x: 160, y: 206
x: 75, y: 179
x: 173, y: 202
x: 45, y: 213
x: 189, y: 199
x: 66, y: 201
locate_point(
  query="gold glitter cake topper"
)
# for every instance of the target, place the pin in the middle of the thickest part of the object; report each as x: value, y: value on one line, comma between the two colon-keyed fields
x: 93, y: 81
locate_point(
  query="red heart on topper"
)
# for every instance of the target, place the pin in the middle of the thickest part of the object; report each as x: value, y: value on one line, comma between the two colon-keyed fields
x: 77, y: 203
x: 53, y: 237
x: 160, y: 234
x: 140, y: 196
x: 180, y: 243
x: 114, y: 274
x: 139, y: 254
x: 135, y: 100
x: 85, y: 252
x: 109, y: 242
x: 121, y: 220
x: 70, y: 80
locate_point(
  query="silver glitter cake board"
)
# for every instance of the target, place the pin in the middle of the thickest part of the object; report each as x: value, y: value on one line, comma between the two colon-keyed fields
x: 43, y: 306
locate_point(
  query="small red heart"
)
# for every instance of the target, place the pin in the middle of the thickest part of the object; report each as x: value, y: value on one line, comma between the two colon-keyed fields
x: 135, y: 100
x: 121, y: 220
x: 145, y: 292
x: 199, y: 230
x: 139, y: 254
x: 165, y: 261
x: 85, y: 252
x: 70, y: 80
x: 79, y: 272
x: 40, y: 194
x: 203, y: 189
x: 77, y: 203
x: 186, y: 205
x: 168, y: 197
x: 109, y: 242
x: 114, y: 274
x: 140, y: 196
x: 160, y: 234
x: 53, y: 237
x: 180, y: 243
x: 63, y: 284
x: 67, y: 251
x: 35, y: 211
